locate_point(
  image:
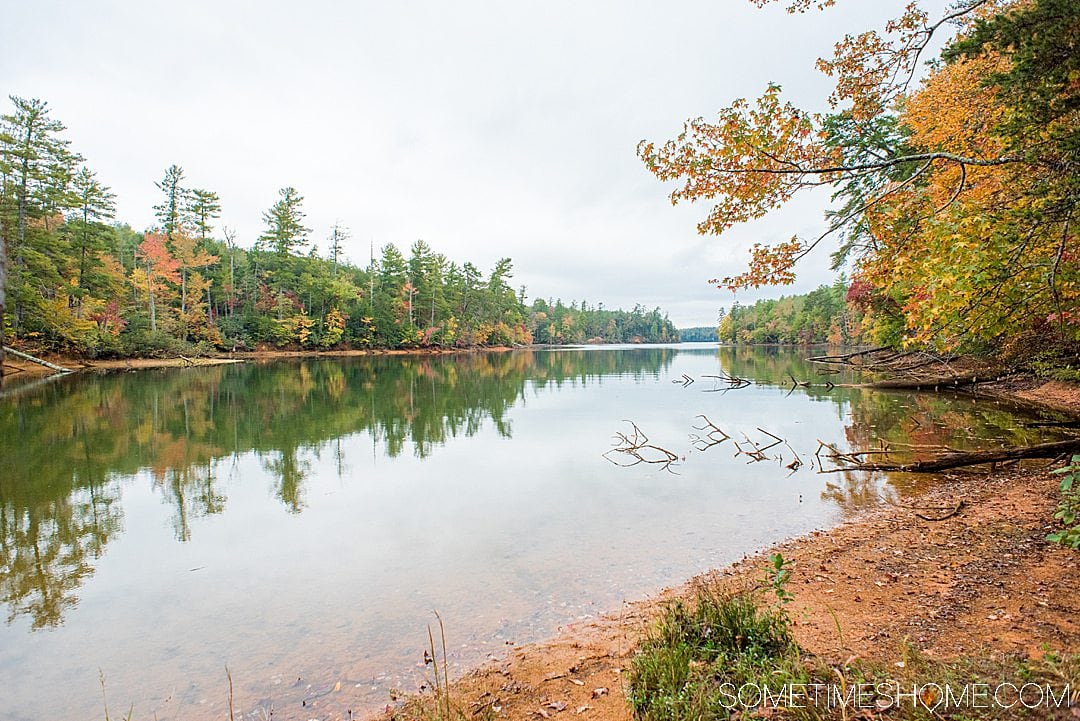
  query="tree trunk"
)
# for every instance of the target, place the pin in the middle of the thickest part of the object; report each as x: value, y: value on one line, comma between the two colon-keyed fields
x: 232, y: 283
x: 32, y: 359
x: 150, y: 294
x: 961, y: 459
x: 933, y: 383
x: 3, y: 294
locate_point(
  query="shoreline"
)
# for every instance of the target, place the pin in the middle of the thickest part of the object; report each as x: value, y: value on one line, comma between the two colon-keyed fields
x: 78, y: 365
x: 982, y: 583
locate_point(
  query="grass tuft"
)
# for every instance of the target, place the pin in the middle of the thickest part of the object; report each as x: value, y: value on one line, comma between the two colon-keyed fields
x: 705, y: 651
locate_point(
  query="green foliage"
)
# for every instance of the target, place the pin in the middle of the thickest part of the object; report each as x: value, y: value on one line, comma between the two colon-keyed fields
x: 285, y: 231
x: 78, y: 284
x: 170, y: 213
x: 1068, y: 509
x: 820, y: 316
x: 777, y: 577
x: 704, y: 652
x: 705, y: 647
x: 557, y: 323
x: 698, y: 334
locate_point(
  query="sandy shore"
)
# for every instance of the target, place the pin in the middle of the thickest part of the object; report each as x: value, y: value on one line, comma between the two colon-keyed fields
x: 982, y: 582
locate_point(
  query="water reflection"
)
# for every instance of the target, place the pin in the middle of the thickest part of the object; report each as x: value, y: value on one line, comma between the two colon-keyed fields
x: 302, y: 518
x: 66, y: 447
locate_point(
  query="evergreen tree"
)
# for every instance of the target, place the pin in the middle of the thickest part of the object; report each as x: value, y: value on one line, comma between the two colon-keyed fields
x: 338, y: 235
x: 35, y: 165
x: 204, y: 206
x: 95, y: 204
x: 285, y: 231
x: 172, y: 211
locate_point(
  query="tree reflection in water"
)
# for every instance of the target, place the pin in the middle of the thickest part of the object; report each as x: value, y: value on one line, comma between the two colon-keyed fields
x: 68, y: 448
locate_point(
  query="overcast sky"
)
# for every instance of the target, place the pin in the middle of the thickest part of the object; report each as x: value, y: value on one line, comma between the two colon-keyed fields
x: 488, y: 129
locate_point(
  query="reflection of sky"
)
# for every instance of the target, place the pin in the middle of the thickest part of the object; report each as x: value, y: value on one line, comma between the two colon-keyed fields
x: 507, y: 537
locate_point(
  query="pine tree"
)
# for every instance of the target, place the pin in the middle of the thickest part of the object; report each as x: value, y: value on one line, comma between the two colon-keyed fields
x: 35, y: 166
x: 95, y: 204
x: 285, y: 232
x: 204, y: 206
x: 338, y: 234
x: 172, y: 211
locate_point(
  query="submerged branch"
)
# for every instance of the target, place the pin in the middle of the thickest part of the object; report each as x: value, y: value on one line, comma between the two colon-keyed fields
x: 954, y: 459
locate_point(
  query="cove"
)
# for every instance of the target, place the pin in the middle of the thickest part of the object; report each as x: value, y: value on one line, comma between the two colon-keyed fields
x: 298, y: 521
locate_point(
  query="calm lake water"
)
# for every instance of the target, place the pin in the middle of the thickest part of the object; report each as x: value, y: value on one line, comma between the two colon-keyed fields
x: 299, y: 521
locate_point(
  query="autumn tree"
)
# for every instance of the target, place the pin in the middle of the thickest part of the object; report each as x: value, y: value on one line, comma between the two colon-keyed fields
x: 189, y: 258
x: 155, y: 274
x: 948, y: 192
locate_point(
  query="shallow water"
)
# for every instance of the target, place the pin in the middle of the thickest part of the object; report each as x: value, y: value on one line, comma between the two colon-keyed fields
x: 298, y: 521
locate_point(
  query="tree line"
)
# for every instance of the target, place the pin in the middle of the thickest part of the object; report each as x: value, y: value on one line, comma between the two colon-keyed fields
x: 820, y: 316
x: 74, y: 279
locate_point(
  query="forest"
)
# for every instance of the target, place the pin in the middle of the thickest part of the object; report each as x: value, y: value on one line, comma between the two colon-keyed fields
x: 78, y: 281
x: 820, y: 316
x: 955, y: 178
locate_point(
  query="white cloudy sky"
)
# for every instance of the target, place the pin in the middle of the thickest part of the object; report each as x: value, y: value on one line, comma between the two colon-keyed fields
x: 488, y: 128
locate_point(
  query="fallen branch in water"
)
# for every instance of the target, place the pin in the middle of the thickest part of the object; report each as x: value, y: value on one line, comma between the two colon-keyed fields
x: 710, y: 438
x: 634, y: 445
x: 932, y: 383
x: 758, y: 454
x: 952, y: 459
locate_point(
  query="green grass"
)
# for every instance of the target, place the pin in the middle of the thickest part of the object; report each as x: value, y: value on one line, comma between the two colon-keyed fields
x: 704, y: 649
x: 707, y: 650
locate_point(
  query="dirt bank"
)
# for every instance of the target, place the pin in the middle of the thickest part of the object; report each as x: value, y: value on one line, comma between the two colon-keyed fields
x: 981, y: 582
x: 1035, y: 393
x: 18, y: 367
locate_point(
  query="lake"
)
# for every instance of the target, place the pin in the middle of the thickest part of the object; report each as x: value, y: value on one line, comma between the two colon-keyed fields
x: 299, y: 521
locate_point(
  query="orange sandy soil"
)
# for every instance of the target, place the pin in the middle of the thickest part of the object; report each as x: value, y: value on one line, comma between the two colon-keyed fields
x: 981, y: 582
x: 1054, y: 395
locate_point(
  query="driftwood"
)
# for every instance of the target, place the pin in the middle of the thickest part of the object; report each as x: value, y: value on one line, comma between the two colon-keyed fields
x: 932, y: 384
x: 33, y: 359
x: 953, y: 459
x: 909, y: 370
x: 850, y: 358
